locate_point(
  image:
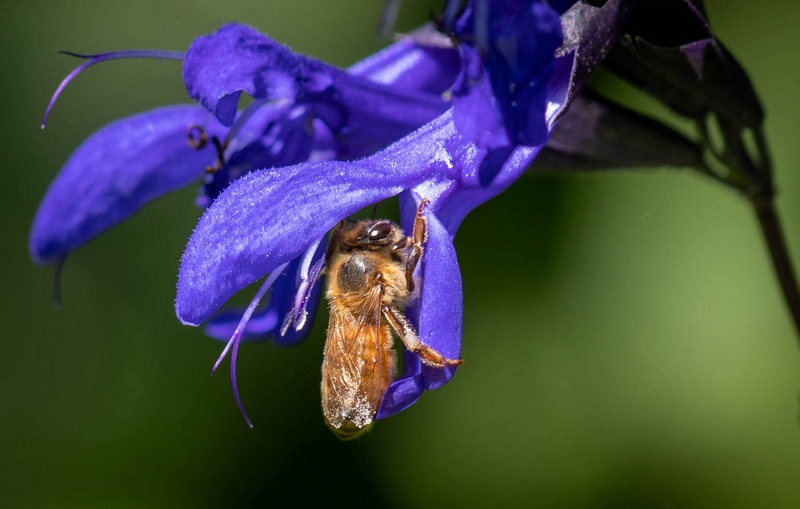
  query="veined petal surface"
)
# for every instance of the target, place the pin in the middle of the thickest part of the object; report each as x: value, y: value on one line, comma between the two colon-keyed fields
x: 114, y: 172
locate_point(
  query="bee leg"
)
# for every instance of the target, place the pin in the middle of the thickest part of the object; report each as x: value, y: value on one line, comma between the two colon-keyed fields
x: 408, y: 335
x: 420, y: 233
x: 333, y: 242
x: 419, y: 236
x: 411, y: 263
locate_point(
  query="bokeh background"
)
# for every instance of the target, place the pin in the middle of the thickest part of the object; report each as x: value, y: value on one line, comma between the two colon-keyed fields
x: 625, y: 340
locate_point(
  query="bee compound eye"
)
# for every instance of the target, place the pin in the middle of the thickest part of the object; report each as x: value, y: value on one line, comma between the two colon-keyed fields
x: 380, y: 231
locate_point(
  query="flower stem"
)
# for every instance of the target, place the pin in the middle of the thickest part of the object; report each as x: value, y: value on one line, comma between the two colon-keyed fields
x: 778, y: 250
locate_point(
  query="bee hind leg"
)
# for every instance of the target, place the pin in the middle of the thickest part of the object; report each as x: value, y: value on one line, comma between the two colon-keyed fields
x: 401, y: 326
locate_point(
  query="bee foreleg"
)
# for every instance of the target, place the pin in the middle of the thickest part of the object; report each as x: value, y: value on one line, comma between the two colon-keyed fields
x: 411, y: 263
x: 420, y: 232
x: 418, y: 236
x: 403, y: 328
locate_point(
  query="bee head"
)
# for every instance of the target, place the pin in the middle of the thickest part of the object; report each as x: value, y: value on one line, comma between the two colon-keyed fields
x: 380, y: 233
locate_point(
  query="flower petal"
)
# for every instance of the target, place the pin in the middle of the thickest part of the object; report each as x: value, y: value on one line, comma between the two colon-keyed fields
x: 411, y: 66
x: 475, y: 110
x: 269, y: 217
x: 406, y: 390
x: 114, y: 173
x: 218, y: 67
x: 453, y: 200
x: 260, y: 327
x: 518, y: 64
x: 438, y: 314
x: 441, y: 301
x: 366, y: 115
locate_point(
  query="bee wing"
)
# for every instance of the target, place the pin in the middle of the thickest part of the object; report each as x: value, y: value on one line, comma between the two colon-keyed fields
x: 357, y: 366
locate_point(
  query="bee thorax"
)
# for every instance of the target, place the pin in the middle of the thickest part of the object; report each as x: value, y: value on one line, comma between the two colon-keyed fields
x: 355, y: 274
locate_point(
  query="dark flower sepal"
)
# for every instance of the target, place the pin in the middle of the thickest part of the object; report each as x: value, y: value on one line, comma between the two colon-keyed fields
x: 596, y: 134
x: 684, y: 66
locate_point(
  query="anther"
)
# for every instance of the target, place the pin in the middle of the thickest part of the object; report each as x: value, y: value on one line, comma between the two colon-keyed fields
x: 196, y: 137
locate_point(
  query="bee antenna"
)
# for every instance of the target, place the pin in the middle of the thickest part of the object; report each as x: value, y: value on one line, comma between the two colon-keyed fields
x: 375, y: 211
x: 351, y: 220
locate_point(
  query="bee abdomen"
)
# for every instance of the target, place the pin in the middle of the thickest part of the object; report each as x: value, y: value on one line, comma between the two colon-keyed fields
x: 349, y: 431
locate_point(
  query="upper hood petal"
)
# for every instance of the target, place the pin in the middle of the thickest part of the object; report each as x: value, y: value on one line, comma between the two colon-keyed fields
x: 236, y: 58
x: 410, y: 64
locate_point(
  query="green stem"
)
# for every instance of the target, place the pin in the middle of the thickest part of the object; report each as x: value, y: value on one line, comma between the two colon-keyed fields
x: 778, y: 250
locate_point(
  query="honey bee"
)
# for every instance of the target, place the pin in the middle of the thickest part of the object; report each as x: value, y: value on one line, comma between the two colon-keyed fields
x: 370, y: 267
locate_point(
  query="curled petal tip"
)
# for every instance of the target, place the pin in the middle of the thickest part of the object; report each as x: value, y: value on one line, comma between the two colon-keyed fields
x: 79, y: 55
x: 186, y: 322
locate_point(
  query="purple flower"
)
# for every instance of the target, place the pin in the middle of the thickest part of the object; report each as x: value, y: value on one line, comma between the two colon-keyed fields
x: 302, y: 110
x: 469, y: 154
x: 277, y: 176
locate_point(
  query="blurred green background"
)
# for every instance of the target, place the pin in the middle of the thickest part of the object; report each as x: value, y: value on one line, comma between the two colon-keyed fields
x: 630, y: 349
